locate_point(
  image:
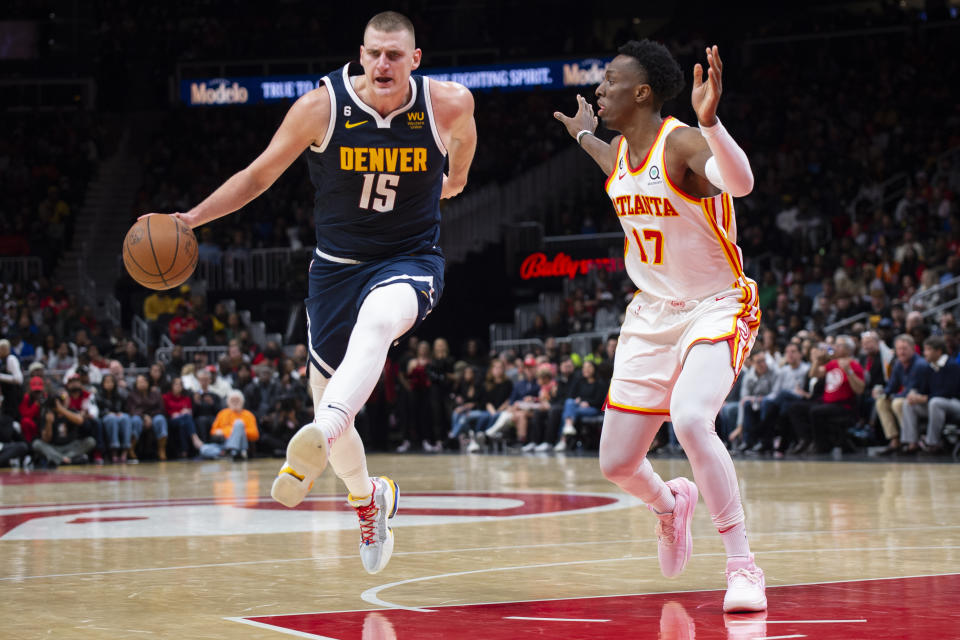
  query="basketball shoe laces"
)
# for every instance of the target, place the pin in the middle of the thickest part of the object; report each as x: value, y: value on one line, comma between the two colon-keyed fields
x: 368, y: 522
x: 666, y: 531
x: 750, y: 575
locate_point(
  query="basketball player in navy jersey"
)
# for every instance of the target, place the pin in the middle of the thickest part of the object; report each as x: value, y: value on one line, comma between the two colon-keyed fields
x: 376, y: 145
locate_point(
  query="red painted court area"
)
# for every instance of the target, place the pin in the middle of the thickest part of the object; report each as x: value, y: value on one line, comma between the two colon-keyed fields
x: 922, y: 607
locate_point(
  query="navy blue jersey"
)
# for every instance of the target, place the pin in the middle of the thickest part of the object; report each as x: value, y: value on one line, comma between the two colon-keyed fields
x: 378, y: 179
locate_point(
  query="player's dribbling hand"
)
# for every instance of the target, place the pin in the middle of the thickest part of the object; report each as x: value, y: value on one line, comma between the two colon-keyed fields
x: 583, y: 119
x: 187, y: 219
x: 706, y: 95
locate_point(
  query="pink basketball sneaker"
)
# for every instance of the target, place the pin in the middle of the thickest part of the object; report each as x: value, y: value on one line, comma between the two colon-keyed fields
x: 674, y: 540
x: 746, y: 587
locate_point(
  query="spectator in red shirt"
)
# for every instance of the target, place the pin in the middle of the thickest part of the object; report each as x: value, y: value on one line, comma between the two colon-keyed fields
x: 30, y: 408
x: 182, y: 323
x: 179, y: 408
x: 843, y: 375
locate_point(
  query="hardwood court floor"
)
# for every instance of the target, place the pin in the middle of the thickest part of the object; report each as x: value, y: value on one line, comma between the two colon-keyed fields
x: 486, y: 547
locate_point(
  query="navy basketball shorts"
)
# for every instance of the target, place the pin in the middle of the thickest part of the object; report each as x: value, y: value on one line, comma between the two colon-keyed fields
x: 337, y: 290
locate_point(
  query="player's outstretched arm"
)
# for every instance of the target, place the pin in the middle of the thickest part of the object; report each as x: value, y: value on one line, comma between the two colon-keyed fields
x: 718, y: 158
x: 581, y: 127
x: 453, y: 108
x: 305, y: 122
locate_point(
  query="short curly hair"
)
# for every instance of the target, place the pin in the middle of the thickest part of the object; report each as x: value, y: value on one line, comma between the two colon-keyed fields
x: 663, y: 73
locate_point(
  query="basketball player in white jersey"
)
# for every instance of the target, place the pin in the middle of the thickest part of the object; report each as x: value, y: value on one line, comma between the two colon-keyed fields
x: 384, y: 147
x: 694, y: 319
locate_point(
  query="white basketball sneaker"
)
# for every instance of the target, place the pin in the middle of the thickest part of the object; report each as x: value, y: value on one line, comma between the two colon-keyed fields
x: 307, y: 456
x: 376, y: 538
x: 746, y: 586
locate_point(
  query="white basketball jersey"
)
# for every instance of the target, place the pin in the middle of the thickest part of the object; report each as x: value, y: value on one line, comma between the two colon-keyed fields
x: 676, y: 246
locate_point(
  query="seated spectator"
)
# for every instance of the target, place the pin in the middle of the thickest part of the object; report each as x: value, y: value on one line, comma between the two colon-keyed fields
x: 97, y: 361
x: 936, y: 397
x: 282, y: 423
x: 466, y: 399
x: 124, y: 382
x: 796, y: 423
x: 46, y: 349
x: 83, y: 368
x: 726, y: 424
x: 60, y: 440
x: 30, y: 407
x: 145, y: 406
x: 183, y: 325
x: 24, y: 351
x: 214, y: 382
x: 758, y: 381
x: 889, y: 400
x: 176, y: 363
x: 232, y: 431
x: 537, y: 439
x: 830, y: 419
x: 117, y: 427
x: 84, y: 404
x: 132, y: 358
x: 586, y: 399
x: 188, y: 378
x: 157, y: 377
x: 11, y: 378
x: 12, y: 445
x: 206, y: 404
x: 263, y: 393
x: 789, y: 379
x: 522, y: 399
x: 876, y: 358
x: 497, y: 389
x: 179, y: 409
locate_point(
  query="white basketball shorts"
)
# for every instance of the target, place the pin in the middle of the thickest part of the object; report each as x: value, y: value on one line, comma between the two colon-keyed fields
x: 657, y: 334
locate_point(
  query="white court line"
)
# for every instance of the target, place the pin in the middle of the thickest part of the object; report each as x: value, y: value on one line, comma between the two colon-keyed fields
x: 795, y: 621
x: 554, y: 619
x: 215, y: 565
x: 609, y: 595
x: 371, y: 595
x: 270, y: 627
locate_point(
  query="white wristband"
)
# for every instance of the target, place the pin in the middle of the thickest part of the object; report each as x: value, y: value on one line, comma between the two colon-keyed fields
x: 728, y: 169
x: 583, y: 132
x: 713, y: 130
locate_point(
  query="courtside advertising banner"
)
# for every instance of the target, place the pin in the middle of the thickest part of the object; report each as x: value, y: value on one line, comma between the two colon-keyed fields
x: 551, y: 74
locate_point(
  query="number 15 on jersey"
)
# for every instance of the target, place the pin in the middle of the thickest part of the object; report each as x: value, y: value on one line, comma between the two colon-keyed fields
x: 386, y: 194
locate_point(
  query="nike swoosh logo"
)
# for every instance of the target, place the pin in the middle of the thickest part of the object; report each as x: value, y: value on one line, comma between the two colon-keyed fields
x: 351, y: 125
x: 620, y: 177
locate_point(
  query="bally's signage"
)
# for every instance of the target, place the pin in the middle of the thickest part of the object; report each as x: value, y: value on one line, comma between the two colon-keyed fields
x: 538, y: 265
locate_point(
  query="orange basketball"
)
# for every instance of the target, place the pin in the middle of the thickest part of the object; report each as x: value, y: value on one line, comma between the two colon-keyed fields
x: 160, y: 251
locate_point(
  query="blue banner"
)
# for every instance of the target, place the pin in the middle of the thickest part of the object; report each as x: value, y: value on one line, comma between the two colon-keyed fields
x: 552, y: 74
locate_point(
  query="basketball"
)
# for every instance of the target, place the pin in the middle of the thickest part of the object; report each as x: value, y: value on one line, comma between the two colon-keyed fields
x: 160, y: 251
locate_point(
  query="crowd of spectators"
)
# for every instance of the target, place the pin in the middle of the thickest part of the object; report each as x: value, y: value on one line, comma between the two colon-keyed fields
x: 834, y: 246
x: 75, y: 391
x: 46, y: 161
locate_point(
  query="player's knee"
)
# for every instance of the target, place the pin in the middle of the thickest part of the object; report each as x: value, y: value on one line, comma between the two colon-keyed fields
x: 690, y: 420
x: 618, y: 468
x: 389, y: 311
